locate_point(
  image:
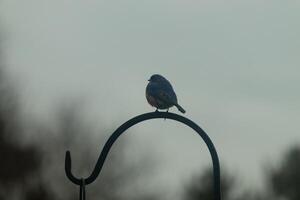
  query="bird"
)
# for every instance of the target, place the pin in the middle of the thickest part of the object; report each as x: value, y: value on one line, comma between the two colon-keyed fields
x: 160, y: 93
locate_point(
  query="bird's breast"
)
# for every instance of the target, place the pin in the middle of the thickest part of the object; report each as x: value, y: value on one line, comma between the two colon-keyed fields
x: 151, y: 100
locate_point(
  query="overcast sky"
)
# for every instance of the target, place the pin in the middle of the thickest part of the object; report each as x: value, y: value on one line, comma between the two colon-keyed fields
x: 235, y: 67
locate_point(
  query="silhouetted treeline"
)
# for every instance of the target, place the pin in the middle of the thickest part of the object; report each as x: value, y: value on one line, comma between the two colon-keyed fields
x: 201, y: 186
x: 19, y: 162
x: 34, y: 170
x: 285, y: 179
x: 283, y: 182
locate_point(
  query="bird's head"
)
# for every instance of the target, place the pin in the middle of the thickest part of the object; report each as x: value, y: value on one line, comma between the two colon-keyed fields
x: 156, y: 78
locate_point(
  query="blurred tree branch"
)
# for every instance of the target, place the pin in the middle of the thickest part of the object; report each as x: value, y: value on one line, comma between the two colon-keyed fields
x: 285, y: 179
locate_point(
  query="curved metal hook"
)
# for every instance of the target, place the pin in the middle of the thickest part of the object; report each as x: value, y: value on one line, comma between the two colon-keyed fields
x: 138, y: 119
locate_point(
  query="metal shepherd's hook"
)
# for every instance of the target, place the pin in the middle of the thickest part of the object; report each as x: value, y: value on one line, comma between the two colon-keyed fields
x: 82, y: 182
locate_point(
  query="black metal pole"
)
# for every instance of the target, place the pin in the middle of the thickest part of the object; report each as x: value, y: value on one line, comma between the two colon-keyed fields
x: 147, y: 116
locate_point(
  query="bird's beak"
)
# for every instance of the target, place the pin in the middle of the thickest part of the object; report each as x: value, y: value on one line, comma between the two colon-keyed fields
x: 148, y: 79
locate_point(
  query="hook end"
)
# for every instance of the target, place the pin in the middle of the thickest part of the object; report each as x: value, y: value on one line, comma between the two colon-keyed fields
x: 68, y: 163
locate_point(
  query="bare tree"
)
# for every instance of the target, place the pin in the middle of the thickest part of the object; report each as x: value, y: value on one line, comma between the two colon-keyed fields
x: 36, y: 170
x: 285, y: 179
x: 19, y: 162
x: 201, y: 186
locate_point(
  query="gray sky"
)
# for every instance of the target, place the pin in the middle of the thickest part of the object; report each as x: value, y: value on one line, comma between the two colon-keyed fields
x: 234, y: 66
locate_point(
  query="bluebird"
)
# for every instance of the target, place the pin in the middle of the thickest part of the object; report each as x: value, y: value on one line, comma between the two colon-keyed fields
x: 160, y: 93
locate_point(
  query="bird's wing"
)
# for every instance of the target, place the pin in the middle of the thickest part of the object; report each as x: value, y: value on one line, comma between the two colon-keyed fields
x: 165, y: 97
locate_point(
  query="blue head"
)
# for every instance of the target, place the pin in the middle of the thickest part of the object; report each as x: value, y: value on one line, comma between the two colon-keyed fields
x: 156, y: 78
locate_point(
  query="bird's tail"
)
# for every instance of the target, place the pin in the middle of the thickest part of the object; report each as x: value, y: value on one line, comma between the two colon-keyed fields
x: 180, y: 108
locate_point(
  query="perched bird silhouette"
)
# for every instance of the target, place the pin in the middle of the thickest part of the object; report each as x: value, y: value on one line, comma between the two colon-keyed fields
x: 160, y: 93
